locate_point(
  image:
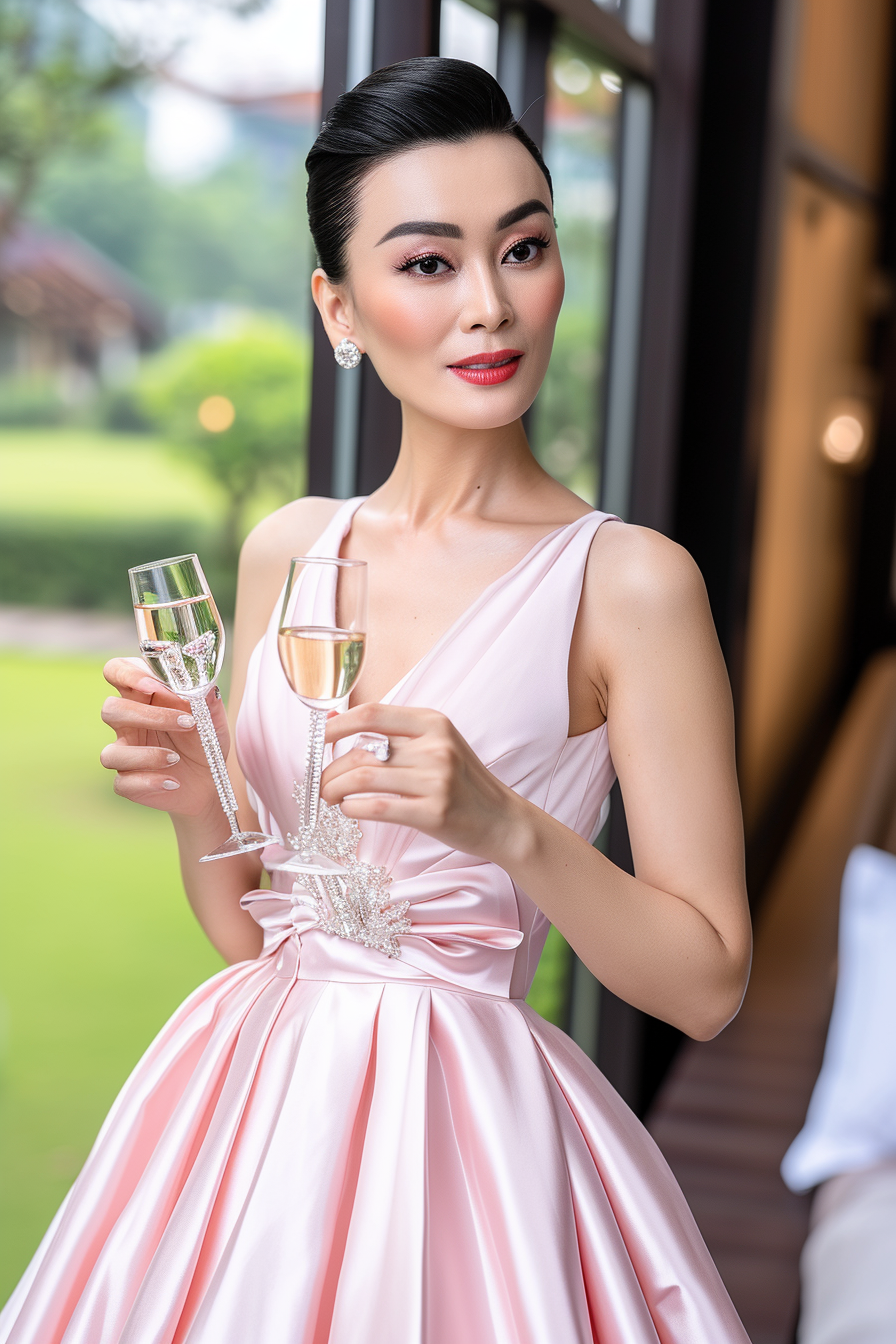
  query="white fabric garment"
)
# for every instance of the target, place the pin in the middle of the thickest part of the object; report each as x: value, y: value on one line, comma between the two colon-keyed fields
x: 848, y: 1265
x: 851, y: 1121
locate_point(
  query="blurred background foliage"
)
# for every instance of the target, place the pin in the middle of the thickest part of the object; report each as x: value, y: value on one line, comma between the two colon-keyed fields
x: 154, y: 257
x: 236, y: 236
x: 247, y: 438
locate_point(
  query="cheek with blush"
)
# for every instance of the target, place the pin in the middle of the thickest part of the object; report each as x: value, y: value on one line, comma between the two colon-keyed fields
x: 400, y: 324
x: 541, y: 307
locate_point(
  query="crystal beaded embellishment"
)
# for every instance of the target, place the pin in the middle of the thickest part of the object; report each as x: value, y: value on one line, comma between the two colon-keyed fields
x: 356, y: 906
x: 354, y: 903
x: 335, y: 834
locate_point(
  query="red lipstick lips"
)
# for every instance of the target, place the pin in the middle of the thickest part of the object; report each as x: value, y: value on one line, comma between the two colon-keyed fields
x: 493, y: 366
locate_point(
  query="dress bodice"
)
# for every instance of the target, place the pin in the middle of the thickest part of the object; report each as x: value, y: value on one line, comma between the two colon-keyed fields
x: 500, y: 674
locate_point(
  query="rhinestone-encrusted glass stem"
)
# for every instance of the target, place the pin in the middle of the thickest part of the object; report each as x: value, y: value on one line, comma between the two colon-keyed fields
x: 215, y: 757
x: 314, y: 761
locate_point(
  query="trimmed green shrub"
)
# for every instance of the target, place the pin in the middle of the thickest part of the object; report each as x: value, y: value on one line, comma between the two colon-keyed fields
x: 32, y: 400
x: 84, y: 565
x: 263, y: 370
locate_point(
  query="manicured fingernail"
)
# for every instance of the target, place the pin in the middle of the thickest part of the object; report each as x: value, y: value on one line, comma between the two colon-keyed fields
x: 173, y: 758
x: 147, y: 687
x: 185, y: 721
x: 170, y: 784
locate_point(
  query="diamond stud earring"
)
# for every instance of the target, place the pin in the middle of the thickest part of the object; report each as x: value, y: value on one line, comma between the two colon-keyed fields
x: 347, y: 355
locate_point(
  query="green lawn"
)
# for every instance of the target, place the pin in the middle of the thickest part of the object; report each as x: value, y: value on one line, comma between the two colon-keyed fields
x: 78, y: 507
x: 97, y: 943
x: 67, y: 474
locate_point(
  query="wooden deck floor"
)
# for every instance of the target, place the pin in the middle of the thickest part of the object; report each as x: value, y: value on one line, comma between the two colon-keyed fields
x: 730, y: 1107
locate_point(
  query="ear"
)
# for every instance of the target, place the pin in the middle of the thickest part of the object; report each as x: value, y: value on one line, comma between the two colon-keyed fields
x: 334, y: 308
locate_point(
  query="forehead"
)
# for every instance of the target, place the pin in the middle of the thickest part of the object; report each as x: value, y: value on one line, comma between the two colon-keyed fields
x: 469, y: 184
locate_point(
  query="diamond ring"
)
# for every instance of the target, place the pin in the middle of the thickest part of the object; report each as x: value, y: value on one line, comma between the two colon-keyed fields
x: 379, y: 747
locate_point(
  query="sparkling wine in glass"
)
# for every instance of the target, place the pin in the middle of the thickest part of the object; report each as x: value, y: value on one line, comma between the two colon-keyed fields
x: 182, y: 641
x: 323, y: 624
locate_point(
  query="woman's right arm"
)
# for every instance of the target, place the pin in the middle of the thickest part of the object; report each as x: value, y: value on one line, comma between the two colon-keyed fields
x: 152, y: 726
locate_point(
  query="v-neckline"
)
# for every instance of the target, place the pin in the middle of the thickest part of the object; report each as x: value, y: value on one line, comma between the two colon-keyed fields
x: 353, y: 505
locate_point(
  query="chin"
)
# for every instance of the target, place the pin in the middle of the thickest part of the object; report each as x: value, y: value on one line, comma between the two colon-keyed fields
x: 489, y: 414
x: 466, y: 407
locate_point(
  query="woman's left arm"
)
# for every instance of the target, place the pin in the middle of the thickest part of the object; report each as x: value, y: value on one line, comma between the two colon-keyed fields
x: 675, y: 939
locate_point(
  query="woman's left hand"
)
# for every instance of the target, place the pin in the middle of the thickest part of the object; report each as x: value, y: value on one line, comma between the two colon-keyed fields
x: 433, y: 780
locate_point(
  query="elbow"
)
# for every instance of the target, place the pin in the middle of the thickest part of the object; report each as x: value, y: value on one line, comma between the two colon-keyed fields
x: 717, y: 1007
x: 707, y: 1026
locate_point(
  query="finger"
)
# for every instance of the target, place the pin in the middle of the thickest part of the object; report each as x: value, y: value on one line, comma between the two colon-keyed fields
x: 374, y: 779
x: 402, y: 720
x: 357, y: 757
x: 131, y: 675
x: 139, y: 786
x: 127, y: 715
x: 123, y: 756
x: 395, y: 808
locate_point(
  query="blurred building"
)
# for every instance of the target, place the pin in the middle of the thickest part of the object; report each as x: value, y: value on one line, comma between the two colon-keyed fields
x: 725, y: 183
x: 68, y: 312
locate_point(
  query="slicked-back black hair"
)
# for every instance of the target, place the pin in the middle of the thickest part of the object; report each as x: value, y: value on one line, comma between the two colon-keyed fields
x: 427, y: 100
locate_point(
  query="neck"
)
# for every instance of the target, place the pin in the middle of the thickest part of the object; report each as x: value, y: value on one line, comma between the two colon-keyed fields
x: 442, y: 470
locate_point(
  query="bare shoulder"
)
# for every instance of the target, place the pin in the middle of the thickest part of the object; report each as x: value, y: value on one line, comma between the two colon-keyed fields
x: 287, y: 532
x: 636, y: 563
x: 639, y: 581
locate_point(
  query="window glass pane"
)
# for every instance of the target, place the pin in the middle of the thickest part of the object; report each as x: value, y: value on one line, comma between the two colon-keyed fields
x: 637, y: 15
x: 469, y: 34
x: 639, y: 19
x: 582, y: 116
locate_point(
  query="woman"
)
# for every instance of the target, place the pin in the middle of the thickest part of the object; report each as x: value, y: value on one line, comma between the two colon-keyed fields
x: 338, y: 1142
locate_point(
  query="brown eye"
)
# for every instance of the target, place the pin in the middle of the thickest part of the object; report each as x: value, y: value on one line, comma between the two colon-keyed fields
x: 432, y: 264
x: 526, y: 250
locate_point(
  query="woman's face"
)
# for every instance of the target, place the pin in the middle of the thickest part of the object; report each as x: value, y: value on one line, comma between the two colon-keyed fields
x: 454, y: 279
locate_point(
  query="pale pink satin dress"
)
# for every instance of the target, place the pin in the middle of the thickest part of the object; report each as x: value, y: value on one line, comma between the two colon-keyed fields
x: 329, y: 1145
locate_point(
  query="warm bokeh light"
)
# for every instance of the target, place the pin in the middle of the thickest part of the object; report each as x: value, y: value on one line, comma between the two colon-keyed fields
x: 216, y: 414
x: 846, y: 440
x: 843, y: 438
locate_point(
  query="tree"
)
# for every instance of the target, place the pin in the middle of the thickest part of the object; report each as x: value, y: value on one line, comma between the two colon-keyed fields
x: 58, y: 69
x: 237, y: 405
x: 229, y: 238
x: 56, y: 72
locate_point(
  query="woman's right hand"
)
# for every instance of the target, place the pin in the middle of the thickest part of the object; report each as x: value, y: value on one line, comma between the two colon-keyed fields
x: 157, y: 754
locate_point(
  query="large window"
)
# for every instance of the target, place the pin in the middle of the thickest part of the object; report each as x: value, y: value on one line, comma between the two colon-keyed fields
x: 582, y: 118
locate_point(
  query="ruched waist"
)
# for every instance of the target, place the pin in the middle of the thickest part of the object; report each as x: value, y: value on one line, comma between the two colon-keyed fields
x: 474, y: 957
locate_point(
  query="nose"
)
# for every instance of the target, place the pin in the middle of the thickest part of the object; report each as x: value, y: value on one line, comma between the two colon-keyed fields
x: 486, y: 304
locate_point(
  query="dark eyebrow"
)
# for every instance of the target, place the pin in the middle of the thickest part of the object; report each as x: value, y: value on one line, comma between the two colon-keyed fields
x: 436, y: 229
x: 430, y: 226
x: 533, y: 207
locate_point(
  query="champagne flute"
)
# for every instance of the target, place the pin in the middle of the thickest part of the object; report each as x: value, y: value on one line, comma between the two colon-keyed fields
x: 323, y: 624
x: 182, y: 640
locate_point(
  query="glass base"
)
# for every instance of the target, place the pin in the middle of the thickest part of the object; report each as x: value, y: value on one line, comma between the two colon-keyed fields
x: 309, y: 863
x: 243, y: 843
